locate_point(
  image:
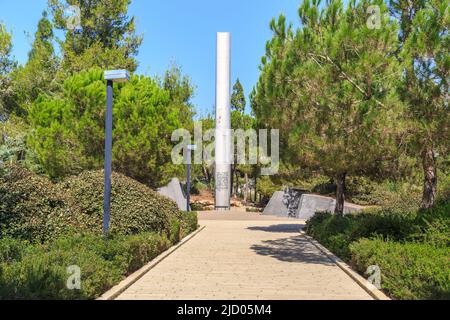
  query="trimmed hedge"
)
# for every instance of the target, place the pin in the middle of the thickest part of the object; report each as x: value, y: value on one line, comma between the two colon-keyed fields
x: 41, y: 271
x: 409, y: 271
x: 35, y: 209
x: 135, y: 208
x: 405, y: 244
x: 337, y: 232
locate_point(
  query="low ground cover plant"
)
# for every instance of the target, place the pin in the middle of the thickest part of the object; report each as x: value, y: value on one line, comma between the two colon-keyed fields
x: 42, y: 271
x: 412, y: 247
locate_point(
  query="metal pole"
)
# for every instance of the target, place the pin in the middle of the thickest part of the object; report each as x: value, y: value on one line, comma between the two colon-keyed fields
x: 188, y: 195
x: 108, y: 155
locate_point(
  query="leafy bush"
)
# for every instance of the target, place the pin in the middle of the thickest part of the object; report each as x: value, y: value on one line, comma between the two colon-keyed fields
x: 199, y: 206
x: 392, y: 195
x: 35, y: 209
x: 408, y: 270
x: 406, y: 244
x: 198, y: 186
x: 338, y: 232
x: 12, y: 249
x: 41, y: 272
x: 189, y: 222
x: 134, y: 207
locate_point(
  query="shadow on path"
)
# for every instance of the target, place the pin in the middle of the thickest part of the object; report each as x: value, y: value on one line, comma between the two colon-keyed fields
x: 280, y: 228
x: 294, y: 249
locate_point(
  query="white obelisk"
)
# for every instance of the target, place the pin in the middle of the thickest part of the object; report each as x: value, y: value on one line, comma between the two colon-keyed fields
x: 223, y: 122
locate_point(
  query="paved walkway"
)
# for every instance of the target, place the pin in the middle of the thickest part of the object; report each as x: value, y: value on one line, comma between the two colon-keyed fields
x: 243, y: 256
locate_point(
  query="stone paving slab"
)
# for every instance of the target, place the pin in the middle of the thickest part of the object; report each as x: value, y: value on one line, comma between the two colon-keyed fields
x: 241, y: 256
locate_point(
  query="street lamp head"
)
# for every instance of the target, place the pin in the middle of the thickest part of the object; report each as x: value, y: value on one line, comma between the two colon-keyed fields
x: 117, y: 75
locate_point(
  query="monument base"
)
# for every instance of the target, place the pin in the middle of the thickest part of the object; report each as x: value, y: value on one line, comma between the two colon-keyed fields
x: 223, y: 209
x: 308, y: 205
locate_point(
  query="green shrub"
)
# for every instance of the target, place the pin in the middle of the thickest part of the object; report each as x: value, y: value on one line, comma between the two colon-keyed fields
x: 338, y: 232
x: 43, y: 275
x: 12, y: 249
x: 408, y: 270
x: 392, y: 195
x: 407, y: 243
x: 198, y: 186
x: 143, y: 248
x: 175, y: 231
x: 253, y: 210
x: 135, y: 208
x: 35, y: 209
x: 189, y: 222
x: 434, y: 225
x: 40, y: 272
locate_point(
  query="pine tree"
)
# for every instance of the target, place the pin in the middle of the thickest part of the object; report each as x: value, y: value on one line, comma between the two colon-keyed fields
x: 7, y: 65
x: 38, y: 75
x: 238, y: 101
x: 329, y: 87
x: 423, y: 50
x: 68, y: 129
x: 105, y: 38
x: 239, y: 120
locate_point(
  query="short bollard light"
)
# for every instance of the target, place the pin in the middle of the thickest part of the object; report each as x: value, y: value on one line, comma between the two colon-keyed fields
x: 110, y: 76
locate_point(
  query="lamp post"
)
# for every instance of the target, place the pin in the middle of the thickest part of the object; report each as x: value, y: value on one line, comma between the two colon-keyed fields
x: 190, y: 148
x: 110, y: 76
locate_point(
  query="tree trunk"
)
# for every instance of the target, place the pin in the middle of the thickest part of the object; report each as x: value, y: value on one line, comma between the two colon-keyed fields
x: 233, y: 168
x: 246, y: 188
x: 256, y: 189
x: 340, y: 194
x: 237, y: 183
x: 207, y: 175
x: 430, y: 178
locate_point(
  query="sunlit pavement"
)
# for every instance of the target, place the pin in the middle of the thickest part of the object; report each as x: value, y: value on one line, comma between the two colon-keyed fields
x: 245, y: 256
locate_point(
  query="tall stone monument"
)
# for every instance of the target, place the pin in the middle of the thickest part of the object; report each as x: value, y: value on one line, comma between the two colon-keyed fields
x: 223, y: 154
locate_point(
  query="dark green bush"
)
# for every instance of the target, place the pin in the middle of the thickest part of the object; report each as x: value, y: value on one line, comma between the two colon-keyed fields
x: 35, y: 209
x: 198, y: 186
x: 408, y: 270
x: 135, y: 208
x: 41, y: 271
x: 391, y: 195
x: 12, y: 249
x: 338, y: 232
x: 43, y: 274
x: 411, y: 247
x: 189, y: 223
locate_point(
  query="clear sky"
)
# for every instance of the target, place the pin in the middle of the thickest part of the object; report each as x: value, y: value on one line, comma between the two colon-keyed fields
x: 181, y: 31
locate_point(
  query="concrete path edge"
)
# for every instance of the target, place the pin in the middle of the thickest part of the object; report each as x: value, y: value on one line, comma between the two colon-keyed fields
x: 133, y: 278
x: 373, y: 291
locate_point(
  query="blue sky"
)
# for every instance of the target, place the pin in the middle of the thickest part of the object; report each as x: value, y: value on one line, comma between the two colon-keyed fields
x: 179, y: 31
